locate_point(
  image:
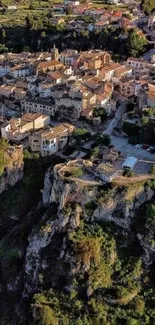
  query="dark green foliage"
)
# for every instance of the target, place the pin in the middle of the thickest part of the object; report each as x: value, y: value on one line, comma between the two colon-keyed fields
x: 26, y: 194
x: 148, y: 6
x: 100, y: 112
x: 80, y: 134
x: 30, y: 35
x: 74, y: 172
x: 128, y: 172
x: 130, y: 107
x: 136, y: 44
x: 103, y: 139
x: 3, y: 156
x: 90, y: 207
x: 130, y: 129
x: 152, y: 170
x: 150, y: 212
x: 94, y: 152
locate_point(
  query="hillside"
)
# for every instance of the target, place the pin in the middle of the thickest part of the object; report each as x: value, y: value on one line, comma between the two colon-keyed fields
x: 11, y: 164
x: 85, y: 255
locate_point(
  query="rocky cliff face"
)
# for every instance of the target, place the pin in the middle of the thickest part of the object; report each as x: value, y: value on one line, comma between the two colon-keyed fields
x: 13, y: 171
x: 77, y: 246
x: 74, y: 203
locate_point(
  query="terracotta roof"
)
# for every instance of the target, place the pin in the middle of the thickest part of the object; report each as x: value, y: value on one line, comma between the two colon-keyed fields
x: 107, y: 92
x: 47, y: 64
x: 121, y: 70
x: 55, y: 75
x: 52, y: 133
x: 28, y: 117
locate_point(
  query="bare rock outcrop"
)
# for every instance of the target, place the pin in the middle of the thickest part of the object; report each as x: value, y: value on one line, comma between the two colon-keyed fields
x: 13, y: 171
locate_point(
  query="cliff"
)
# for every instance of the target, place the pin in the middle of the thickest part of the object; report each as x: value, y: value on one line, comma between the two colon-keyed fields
x: 13, y: 167
x: 89, y: 255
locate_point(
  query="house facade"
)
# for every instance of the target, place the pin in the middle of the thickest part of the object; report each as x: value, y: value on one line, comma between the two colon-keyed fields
x: 48, y: 142
x: 38, y: 106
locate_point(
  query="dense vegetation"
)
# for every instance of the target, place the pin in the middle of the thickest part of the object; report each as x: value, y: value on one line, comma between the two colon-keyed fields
x: 110, y: 286
x: 3, y: 156
x: 148, y: 6
x: 143, y: 133
x: 38, y: 33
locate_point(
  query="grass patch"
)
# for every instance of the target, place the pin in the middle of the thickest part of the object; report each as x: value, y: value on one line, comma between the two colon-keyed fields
x: 74, y: 172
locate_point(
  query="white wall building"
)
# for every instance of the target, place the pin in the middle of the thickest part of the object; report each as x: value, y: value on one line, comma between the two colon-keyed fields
x: 19, y: 71
x: 38, y: 106
x: 130, y: 162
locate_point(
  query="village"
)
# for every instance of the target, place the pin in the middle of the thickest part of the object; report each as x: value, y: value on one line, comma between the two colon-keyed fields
x: 83, y: 104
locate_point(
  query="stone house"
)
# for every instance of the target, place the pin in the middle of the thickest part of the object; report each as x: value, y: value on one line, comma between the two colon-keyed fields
x: 43, y: 106
x: 49, y: 141
x: 18, y: 129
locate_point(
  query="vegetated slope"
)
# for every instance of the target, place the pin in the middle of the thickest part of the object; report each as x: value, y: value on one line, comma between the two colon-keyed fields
x: 148, y: 6
x: 88, y: 258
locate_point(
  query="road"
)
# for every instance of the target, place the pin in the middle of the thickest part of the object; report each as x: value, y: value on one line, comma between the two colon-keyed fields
x: 120, y: 143
x: 116, y: 119
x: 147, y: 55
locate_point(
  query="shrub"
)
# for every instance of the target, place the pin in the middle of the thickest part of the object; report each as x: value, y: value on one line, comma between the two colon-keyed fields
x: 139, y: 306
x: 74, y: 172
x: 130, y: 128
x: 128, y: 172
x: 152, y: 170
x: 103, y: 139
x: 94, y: 152
x: 80, y: 134
x: 90, y: 207
x: 150, y: 211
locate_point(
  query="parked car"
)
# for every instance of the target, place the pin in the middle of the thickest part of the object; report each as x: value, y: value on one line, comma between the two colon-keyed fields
x: 137, y: 146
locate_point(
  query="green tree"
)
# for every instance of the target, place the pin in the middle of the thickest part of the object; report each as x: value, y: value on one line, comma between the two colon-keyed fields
x: 145, y: 120
x: 2, y: 36
x: 130, y: 129
x: 94, y: 152
x: 128, y: 172
x: 139, y: 306
x: 103, y: 139
x: 80, y: 134
x: 133, y: 321
x: 148, y: 6
x: 136, y: 43
x: 150, y: 211
x: 152, y: 170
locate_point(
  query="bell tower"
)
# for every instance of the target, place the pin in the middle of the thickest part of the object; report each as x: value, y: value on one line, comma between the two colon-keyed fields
x: 54, y: 53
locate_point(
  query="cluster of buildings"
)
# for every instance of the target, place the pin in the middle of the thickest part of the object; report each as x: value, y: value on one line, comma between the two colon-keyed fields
x: 99, y: 18
x: 35, y: 132
x: 66, y: 87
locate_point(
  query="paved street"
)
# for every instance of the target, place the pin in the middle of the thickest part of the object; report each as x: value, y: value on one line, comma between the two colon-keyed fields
x: 147, y: 55
x: 121, y: 144
x: 119, y: 112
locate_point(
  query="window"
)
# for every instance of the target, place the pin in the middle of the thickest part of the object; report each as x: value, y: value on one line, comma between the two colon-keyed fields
x: 35, y: 140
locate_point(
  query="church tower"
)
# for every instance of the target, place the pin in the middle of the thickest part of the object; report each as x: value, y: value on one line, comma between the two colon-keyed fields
x: 54, y: 53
